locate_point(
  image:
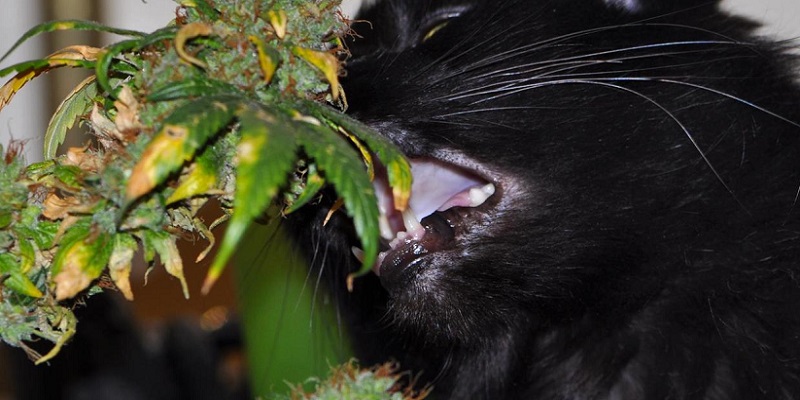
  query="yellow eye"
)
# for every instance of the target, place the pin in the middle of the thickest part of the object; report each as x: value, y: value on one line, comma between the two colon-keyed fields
x: 434, y: 31
x: 435, y: 21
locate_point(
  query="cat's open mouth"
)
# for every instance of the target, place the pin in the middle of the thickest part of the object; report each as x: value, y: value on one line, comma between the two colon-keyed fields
x: 443, y: 196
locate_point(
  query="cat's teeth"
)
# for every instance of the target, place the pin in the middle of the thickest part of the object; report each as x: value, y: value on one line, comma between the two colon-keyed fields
x: 398, y: 240
x: 385, y: 228
x: 358, y: 253
x: 478, y: 195
x: 413, y: 227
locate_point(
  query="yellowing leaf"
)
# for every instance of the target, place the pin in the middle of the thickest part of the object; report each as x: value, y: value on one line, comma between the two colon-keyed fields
x: 164, y: 244
x: 183, y: 132
x: 14, y: 85
x: 268, y: 58
x: 186, y: 33
x: 27, y: 255
x: 79, y: 263
x: 65, y: 322
x: 73, y: 56
x: 14, y: 278
x: 20, y: 283
x: 365, y: 154
x: 397, y: 167
x: 78, y: 52
x: 168, y: 145
x: 120, y: 263
x: 326, y: 62
x: 201, y: 179
x: 279, y: 20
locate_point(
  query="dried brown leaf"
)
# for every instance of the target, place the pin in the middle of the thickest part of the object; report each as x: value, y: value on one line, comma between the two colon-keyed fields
x: 127, y: 119
x: 78, y: 157
x: 56, y: 207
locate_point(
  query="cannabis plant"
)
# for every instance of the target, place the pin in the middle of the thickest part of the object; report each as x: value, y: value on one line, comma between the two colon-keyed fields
x: 234, y: 101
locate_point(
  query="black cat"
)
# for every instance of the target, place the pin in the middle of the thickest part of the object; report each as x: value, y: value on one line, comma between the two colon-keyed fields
x: 609, y: 201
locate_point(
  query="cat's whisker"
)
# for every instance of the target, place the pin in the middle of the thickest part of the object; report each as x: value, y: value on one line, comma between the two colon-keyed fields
x: 575, y: 63
x: 651, y: 100
x: 317, y: 285
x: 512, y: 84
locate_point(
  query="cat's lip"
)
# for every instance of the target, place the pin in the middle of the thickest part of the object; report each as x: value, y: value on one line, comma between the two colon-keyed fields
x: 442, y: 195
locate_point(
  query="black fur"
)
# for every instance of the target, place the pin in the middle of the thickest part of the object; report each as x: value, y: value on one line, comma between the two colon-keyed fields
x: 644, y: 240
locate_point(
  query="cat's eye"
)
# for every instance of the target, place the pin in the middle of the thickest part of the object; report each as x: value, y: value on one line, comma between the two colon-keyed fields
x: 438, y: 20
x: 431, y: 32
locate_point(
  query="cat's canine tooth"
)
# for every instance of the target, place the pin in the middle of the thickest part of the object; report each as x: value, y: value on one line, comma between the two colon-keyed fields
x: 478, y: 195
x: 358, y: 253
x: 413, y: 227
x: 385, y: 228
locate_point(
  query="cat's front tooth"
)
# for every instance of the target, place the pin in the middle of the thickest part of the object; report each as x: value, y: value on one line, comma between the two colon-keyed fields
x: 478, y: 195
x: 413, y: 227
x: 385, y: 228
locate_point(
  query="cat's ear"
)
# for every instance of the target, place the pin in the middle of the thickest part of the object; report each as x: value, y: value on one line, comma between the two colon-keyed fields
x: 657, y: 6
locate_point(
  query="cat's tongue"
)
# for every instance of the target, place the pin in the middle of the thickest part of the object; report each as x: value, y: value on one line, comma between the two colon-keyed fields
x: 436, y: 187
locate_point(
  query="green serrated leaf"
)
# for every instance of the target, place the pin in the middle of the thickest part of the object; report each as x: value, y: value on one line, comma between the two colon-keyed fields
x: 181, y: 135
x: 70, y: 175
x: 148, y: 250
x: 192, y: 87
x: 397, y: 167
x: 267, y: 153
x: 77, y: 25
x: 313, y: 183
x: 103, y: 67
x: 8, y: 263
x: 42, y: 233
x: 37, y: 170
x: 344, y: 168
x: 77, y: 103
